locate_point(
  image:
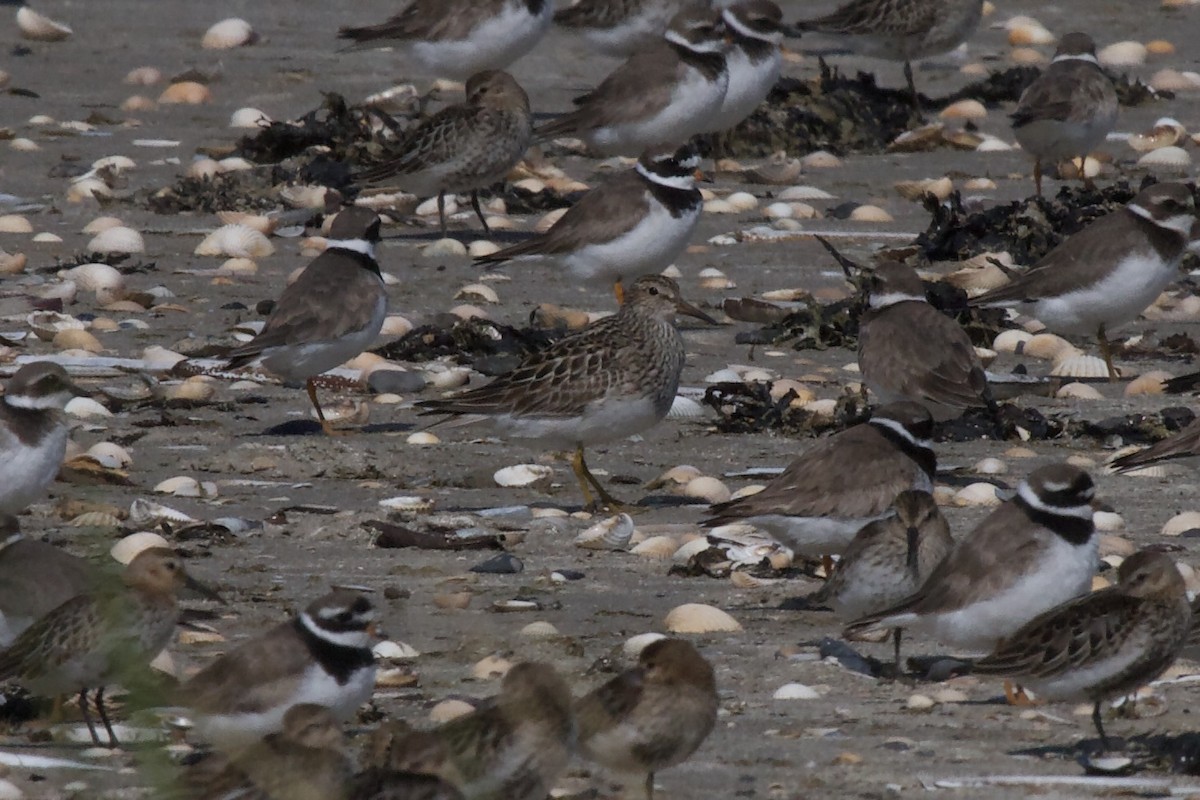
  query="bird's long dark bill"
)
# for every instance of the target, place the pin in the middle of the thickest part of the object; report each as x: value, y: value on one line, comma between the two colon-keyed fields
x: 689, y: 310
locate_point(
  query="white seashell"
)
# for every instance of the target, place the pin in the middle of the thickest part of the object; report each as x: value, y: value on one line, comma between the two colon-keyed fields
x: 449, y: 710
x: 203, y: 168
x: 870, y: 213
x: 39, y: 27
x: 778, y: 211
x: 964, y: 109
x: 45, y: 237
x: 686, y: 408
x: 613, y: 533
x: 1079, y: 391
x: 477, y: 293
x: 15, y: 223
x: 992, y: 144
x: 410, y: 504
x: 719, y: 207
x: 1047, y: 346
x: 678, y: 476
x: 657, y: 547
x: 714, y: 279
x: 1011, y: 341
x: 539, y: 629
x: 1123, y: 54
x: 127, y: 547
x: 977, y: 494
x: 422, y: 438
x: 227, y: 34
x: 189, y: 93
x: 148, y: 512
x: 143, y: 76
x: 742, y: 201
x: 102, y: 224
x: 490, y: 667
x: 47, y: 324
x: 234, y: 164
x: 522, y: 475
x: 85, y: 407
x: 24, y: 145
x: 725, y: 375
x: 110, y: 455
x: 448, y: 379
x: 481, y: 247
x: 804, y: 193
x: 634, y: 645
x: 699, y: 618
x: 394, y: 651
x: 990, y: 466
x: 820, y: 159
x: 303, y: 196
x: 160, y: 358
x: 708, y: 489
x: 106, y: 282
x: 1079, y: 366
x: 180, y: 486
x: 1166, y: 132
x: 96, y: 519
x: 1166, y: 159
x: 1178, y: 524
x: 1108, y: 521
x: 796, y: 691
x: 14, y: 263
x: 444, y: 247
x: 74, y: 339
x: 240, y: 241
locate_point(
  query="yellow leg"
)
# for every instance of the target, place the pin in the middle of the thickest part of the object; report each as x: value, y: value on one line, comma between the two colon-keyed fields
x: 1015, y: 695
x: 586, y: 479
x: 1106, y: 352
x: 326, y: 425
x: 619, y: 291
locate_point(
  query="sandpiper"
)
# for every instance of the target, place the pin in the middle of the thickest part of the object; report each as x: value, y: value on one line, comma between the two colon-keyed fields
x: 1067, y: 111
x: 636, y: 223
x: 102, y: 636
x: 755, y: 29
x: 33, y: 432
x: 888, y: 560
x: 35, y: 579
x: 332, y: 312
x: 842, y: 483
x: 457, y: 38
x: 666, y: 92
x: 901, y: 30
x: 652, y: 716
x: 322, y: 657
x: 1036, y: 550
x: 908, y: 350
x: 305, y: 760
x: 610, y: 380
x: 1183, y: 444
x: 1104, y: 644
x: 512, y: 747
x: 1108, y: 273
x: 464, y: 147
x: 620, y: 27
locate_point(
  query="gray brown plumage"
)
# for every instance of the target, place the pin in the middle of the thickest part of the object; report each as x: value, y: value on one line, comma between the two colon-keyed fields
x: 888, y: 560
x: 1109, y: 272
x: 512, y: 747
x: 330, y: 314
x: 665, y: 92
x: 105, y: 635
x: 1069, y: 109
x: 463, y: 147
x: 321, y: 657
x: 621, y: 27
x: 1183, y: 444
x: 908, y: 350
x: 1031, y: 553
x: 653, y: 716
x: 1102, y: 645
x: 614, y: 378
x: 36, y: 578
x: 457, y: 38
x: 901, y: 30
x: 842, y: 482
x: 306, y: 760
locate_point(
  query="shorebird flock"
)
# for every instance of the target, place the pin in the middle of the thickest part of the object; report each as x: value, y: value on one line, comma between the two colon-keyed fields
x: 1018, y: 598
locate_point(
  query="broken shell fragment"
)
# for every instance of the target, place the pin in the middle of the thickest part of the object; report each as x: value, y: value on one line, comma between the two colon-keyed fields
x: 127, y: 547
x: 613, y: 533
x: 40, y: 28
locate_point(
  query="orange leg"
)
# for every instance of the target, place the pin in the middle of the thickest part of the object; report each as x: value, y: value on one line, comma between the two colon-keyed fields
x: 619, y: 291
x: 1016, y: 696
x: 326, y: 425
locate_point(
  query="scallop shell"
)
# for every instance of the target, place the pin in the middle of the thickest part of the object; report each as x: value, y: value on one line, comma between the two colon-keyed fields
x: 180, y: 486
x: 102, y: 224
x: 47, y: 324
x: 977, y: 494
x: 990, y: 466
x: 76, y: 339
x: 106, y: 282
x: 228, y: 34
x: 742, y: 201
x: 198, y: 389
x: 634, y: 645
x: 12, y: 263
x: 15, y: 223
x: 110, y: 455
x: 84, y: 407
x: 88, y: 188
x: 539, y: 629
x: 394, y: 651
x: 1180, y: 523
x: 444, y: 247
x: 237, y: 240
x: 40, y: 28
x: 869, y: 213
x: 613, y: 533
x: 1166, y: 132
x: 964, y: 109
x: 1166, y: 159
x: 477, y: 293
x: 699, y: 618
x: 1148, y: 383
x: 1011, y: 341
x: 96, y: 519
x: 410, y: 504
x: 940, y: 188
x: 796, y: 691
x: 422, y: 438
x: 1079, y: 391
x: 143, y: 76
x: 127, y: 547
x: 679, y: 475
x: 714, y: 279
x: 706, y: 488
x: 820, y: 159
x: 149, y: 513
x: 449, y: 710
x: 188, y: 93
x: 1079, y: 366
x: 1047, y: 346
x: 1123, y: 54
x: 657, y: 547
x: 690, y: 549
x: 522, y: 475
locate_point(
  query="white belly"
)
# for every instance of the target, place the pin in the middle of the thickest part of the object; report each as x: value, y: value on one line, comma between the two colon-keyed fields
x: 649, y: 247
x: 814, y: 536
x: 601, y: 422
x: 1117, y: 300
x: 749, y: 84
x: 693, y: 102
x: 26, y: 472
x: 300, y: 362
x: 494, y: 44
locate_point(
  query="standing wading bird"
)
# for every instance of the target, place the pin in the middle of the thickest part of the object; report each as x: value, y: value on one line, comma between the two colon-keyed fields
x: 610, y: 380
x: 1104, y: 644
x: 621, y: 27
x: 332, y: 312
x: 463, y: 147
x: 457, y: 38
x: 105, y: 635
x: 901, y: 30
x: 755, y: 29
x: 1107, y: 274
x: 635, y: 223
x: 1067, y: 111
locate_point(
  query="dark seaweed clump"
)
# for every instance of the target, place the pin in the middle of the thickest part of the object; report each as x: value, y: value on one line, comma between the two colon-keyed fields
x: 1134, y: 428
x: 749, y: 408
x: 1027, y: 229
x: 336, y: 125
x: 489, y: 347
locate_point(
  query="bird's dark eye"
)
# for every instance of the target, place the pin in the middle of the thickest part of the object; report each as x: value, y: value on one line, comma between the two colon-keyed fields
x: 653, y: 290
